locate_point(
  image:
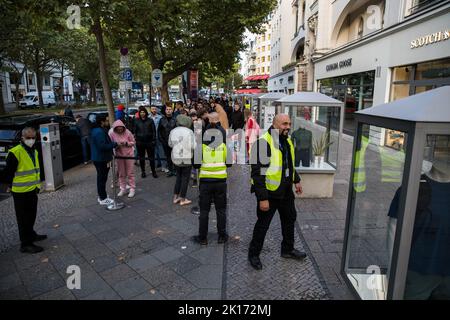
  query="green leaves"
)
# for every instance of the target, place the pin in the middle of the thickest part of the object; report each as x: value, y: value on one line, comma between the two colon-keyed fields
x: 321, y: 144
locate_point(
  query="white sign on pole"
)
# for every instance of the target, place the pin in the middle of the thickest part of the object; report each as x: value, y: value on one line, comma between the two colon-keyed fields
x: 124, y: 62
x: 157, y: 78
x: 125, y: 85
x: 269, y: 115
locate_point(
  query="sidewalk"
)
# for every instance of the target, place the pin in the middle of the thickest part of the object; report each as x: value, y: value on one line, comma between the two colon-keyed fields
x: 144, y: 251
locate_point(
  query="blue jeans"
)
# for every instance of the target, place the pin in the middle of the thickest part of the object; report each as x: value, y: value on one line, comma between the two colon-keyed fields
x: 160, y: 156
x: 85, y: 142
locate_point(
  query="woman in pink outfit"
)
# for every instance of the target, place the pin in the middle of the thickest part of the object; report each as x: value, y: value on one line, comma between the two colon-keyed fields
x: 126, y: 144
x: 252, y: 130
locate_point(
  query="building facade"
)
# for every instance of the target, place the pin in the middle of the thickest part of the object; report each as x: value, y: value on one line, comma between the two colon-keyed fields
x: 382, y: 51
x: 28, y: 82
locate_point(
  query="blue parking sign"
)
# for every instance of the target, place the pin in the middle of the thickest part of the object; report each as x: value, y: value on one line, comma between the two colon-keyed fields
x: 127, y: 75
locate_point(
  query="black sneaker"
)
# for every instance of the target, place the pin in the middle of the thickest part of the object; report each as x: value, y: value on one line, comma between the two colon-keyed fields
x: 222, y: 239
x: 31, y: 249
x: 255, y: 262
x: 40, y: 237
x: 294, y: 254
x: 143, y: 175
x: 199, y: 240
x: 154, y: 175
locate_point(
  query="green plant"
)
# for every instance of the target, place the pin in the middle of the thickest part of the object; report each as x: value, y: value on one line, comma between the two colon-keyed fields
x: 320, y: 145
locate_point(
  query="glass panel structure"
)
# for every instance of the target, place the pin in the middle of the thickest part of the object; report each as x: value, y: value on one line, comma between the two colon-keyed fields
x: 378, y: 172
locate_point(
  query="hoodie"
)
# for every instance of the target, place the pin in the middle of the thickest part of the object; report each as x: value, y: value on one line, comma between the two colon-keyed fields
x: 125, y: 137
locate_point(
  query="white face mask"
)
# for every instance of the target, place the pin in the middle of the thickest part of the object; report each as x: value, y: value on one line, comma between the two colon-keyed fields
x: 29, y: 142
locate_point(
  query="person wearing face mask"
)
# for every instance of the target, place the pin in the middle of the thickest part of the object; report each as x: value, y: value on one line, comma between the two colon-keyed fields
x: 22, y: 173
x: 272, y: 183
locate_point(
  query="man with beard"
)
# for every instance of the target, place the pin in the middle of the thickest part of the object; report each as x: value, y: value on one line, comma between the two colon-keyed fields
x: 272, y: 184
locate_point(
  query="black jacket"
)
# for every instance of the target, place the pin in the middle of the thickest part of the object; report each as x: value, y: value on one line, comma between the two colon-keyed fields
x: 84, y: 127
x: 259, y: 180
x: 145, y: 131
x: 237, y: 120
x: 165, y: 126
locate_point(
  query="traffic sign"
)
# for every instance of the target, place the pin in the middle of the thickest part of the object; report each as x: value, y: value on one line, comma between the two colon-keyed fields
x: 157, y: 78
x: 124, y: 62
x: 125, y: 85
x: 126, y: 75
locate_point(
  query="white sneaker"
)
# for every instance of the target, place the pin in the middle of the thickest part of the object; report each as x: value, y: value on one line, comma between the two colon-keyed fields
x: 132, y: 193
x: 98, y: 199
x: 128, y: 187
x: 106, y: 202
x: 165, y: 170
x: 121, y: 193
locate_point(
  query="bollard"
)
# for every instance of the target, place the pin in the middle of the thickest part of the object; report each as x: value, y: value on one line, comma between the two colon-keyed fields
x: 114, y: 206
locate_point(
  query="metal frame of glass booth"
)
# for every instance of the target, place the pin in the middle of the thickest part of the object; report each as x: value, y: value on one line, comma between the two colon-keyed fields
x: 265, y: 101
x: 398, y: 259
x: 318, y: 180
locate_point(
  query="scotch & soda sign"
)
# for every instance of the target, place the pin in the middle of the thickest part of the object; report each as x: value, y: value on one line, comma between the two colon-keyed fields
x: 430, y: 39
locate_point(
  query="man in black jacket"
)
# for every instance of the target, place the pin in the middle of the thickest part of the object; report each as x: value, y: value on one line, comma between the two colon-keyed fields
x: 273, y: 195
x: 167, y: 124
x: 145, y: 134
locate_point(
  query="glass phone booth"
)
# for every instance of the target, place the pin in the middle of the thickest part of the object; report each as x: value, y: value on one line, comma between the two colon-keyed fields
x: 397, y: 238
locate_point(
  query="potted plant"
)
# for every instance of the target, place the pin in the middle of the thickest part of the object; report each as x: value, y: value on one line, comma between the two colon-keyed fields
x: 320, y: 146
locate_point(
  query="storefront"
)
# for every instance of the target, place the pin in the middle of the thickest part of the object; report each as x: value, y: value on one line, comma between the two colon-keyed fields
x: 403, y: 60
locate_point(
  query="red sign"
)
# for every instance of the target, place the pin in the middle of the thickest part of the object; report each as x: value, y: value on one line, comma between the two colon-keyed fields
x: 193, y: 84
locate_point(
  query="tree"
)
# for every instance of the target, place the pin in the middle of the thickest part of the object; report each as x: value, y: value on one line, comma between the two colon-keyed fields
x: 178, y: 35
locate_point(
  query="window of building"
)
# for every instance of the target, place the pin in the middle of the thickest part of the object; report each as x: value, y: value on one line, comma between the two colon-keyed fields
x: 268, y: 58
x: 263, y: 48
x: 268, y: 47
x: 15, y: 77
x: 418, y: 5
x: 268, y: 69
x: 257, y: 70
x: 30, y: 79
x: 361, y: 28
x: 263, y: 59
x: 263, y: 38
x: 268, y: 36
x: 262, y: 69
x: 47, y: 80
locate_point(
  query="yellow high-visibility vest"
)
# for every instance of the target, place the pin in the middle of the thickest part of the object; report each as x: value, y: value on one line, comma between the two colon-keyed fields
x: 274, y: 173
x: 27, y: 177
x: 214, y: 162
x: 359, y: 177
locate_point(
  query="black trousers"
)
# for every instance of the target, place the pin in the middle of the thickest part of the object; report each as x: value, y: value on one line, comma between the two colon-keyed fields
x: 102, y: 176
x: 303, y: 155
x: 142, y: 148
x: 25, y: 205
x: 182, y: 183
x: 217, y: 192
x: 168, y: 152
x: 288, y: 215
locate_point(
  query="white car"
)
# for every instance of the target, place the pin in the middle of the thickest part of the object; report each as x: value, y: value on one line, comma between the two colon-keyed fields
x: 142, y: 103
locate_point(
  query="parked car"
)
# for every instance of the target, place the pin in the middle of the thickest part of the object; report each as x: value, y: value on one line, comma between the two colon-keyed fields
x: 31, y: 100
x: 142, y: 103
x: 11, y: 131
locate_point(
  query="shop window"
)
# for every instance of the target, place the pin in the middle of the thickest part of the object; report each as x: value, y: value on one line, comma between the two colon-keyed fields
x: 402, y: 73
x: 433, y: 70
x: 418, y: 5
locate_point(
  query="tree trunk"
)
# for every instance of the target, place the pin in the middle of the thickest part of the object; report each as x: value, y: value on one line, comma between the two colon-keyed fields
x: 16, y: 94
x: 93, y: 92
x: 2, y: 104
x: 39, y: 88
x: 165, y: 92
x: 97, y: 29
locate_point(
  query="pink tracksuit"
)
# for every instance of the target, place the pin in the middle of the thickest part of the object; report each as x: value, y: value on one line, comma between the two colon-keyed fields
x: 124, y: 167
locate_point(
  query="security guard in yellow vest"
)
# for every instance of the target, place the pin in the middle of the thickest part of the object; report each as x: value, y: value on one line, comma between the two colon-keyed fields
x: 272, y: 181
x: 213, y: 181
x: 22, y: 172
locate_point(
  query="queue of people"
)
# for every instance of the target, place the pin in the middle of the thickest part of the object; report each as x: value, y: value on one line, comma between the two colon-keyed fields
x: 174, y: 131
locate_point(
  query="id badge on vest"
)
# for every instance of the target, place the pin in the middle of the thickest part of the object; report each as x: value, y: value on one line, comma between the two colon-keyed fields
x: 286, y: 173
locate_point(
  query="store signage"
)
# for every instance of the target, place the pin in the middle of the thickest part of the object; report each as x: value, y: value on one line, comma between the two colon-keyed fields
x: 430, y: 39
x: 339, y: 65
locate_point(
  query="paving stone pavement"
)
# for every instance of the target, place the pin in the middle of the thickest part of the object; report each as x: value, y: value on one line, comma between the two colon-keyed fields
x: 144, y: 251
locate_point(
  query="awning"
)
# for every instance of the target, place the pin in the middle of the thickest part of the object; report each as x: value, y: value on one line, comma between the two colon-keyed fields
x: 257, y: 78
x: 248, y: 91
